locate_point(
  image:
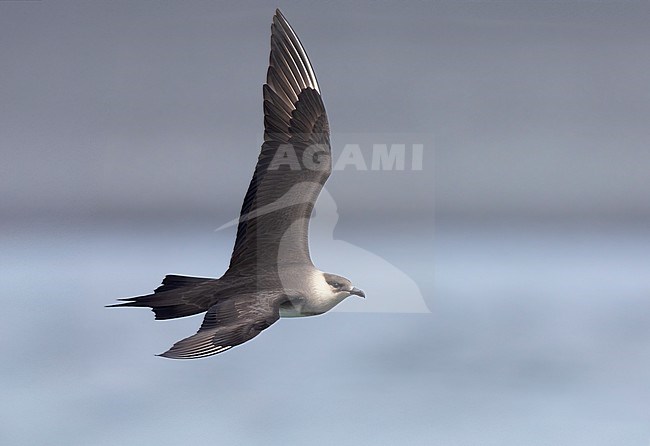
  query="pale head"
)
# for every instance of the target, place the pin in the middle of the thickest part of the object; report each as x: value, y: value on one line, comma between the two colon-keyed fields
x: 342, y: 287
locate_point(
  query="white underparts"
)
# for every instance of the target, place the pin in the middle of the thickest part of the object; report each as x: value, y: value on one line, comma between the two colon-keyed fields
x: 320, y: 297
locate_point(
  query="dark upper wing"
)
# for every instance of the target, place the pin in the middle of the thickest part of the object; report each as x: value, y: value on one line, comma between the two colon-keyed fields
x: 294, y: 162
x: 229, y: 323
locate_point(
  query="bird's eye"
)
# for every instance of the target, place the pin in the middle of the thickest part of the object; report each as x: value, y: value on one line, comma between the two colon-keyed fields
x: 336, y: 285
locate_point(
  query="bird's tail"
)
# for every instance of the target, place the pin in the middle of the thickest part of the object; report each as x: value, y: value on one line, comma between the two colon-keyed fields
x: 178, y: 296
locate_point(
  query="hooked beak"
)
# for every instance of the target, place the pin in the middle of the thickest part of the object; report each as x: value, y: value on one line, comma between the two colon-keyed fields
x: 357, y: 292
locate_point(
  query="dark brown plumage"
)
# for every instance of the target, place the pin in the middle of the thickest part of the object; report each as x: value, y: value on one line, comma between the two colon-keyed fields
x: 270, y: 273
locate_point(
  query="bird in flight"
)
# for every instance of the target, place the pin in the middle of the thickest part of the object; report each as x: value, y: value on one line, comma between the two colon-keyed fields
x: 271, y: 274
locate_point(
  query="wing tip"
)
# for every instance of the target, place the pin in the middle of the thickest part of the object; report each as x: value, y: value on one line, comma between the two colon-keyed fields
x: 184, y: 353
x: 282, y: 27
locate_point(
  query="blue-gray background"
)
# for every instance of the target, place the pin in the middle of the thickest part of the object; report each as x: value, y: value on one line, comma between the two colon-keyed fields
x: 129, y: 131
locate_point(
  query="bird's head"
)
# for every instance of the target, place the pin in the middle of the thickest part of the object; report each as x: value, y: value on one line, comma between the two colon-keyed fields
x: 341, y: 286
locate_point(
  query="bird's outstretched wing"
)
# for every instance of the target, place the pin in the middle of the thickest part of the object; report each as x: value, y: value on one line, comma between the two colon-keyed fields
x: 294, y: 162
x: 229, y: 323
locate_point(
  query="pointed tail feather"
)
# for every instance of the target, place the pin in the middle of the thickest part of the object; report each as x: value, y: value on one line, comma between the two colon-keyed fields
x: 178, y: 296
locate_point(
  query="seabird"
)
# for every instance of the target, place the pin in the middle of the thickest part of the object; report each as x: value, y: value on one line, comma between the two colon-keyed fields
x: 271, y: 274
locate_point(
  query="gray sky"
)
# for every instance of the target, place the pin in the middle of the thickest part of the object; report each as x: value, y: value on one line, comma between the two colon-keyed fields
x: 120, y: 112
x: 135, y: 108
